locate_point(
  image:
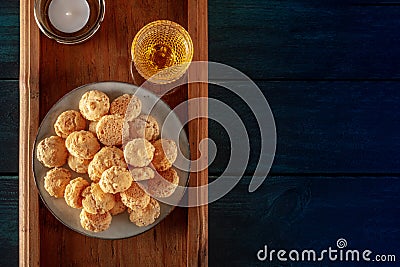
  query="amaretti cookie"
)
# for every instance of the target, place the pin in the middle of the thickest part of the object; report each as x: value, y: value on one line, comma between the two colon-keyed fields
x: 142, y: 174
x: 164, y: 184
x: 92, y: 127
x: 145, y: 216
x: 144, y: 126
x: 96, y: 201
x: 82, y: 144
x: 115, y: 179
x: 52, y: 152
x: 119, y: 206
x: 165, y: 154
x: 109, y: 130
x: 77, y: 164
x: 134, y: 108
x: 95, y: 222
x: 68, y: 122
x: 120, y: 104
x: 135, y: 196
x: 73, y: 192
x: 94, y: 104
x: 106, y: 158
x: 138, y: 152
x: 56, y: 180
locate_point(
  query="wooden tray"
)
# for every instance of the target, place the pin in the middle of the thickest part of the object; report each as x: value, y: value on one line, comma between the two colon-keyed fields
x: 48, y: 70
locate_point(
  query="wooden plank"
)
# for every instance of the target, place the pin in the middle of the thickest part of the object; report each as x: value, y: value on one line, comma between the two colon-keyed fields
x: 322, y: 127
x: 306, y: 39
x: 285, y: 212
x: 304, y: 213
x: 29, y: 232
x: 9, y: 220
x: 9, y: 38
x: 198, y: 130
x: 9, y: 126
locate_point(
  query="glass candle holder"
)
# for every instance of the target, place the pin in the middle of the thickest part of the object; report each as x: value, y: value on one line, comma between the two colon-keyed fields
x: 162, y: 51
x: 69, y: 21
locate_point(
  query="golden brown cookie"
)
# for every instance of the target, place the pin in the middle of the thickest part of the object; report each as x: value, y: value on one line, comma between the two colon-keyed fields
x: 77, y: 164
x: 163, y: 184
x: 135, y: 196
x: 56, y: 180
x: 134, y: 108
x: 92, y: 127
x: 115, y: 179
x: 106, y: 158
x: 147, y: 215
x: 69, y: 121
x: 73, y: 192
x: 120, y: 104
x: 139, y: 152
x: 95, y: 222
x: 94, y: 105
x: 96, y: 201
x: 109, y: 130
x: 144, y: 126
x: 82, y: 144
x: 142, y: 174
x: 165, y: 154
x: 119, y: 207
x: 52, y: 152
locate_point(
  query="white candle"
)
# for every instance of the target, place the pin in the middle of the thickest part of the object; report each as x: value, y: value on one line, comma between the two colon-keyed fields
x: 69, y: 15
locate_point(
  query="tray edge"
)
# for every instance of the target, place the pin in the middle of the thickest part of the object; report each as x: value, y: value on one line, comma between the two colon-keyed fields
x: 197, y: 245
x: 29, y: 236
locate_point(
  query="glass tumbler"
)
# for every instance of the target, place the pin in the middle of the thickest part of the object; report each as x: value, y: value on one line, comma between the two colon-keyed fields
x: 162, y: 51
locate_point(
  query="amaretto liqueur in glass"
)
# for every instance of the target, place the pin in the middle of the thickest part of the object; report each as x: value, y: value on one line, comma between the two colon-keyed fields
x: 162, y: 51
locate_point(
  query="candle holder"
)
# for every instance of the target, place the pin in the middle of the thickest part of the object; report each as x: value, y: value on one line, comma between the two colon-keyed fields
x: 65, y: 32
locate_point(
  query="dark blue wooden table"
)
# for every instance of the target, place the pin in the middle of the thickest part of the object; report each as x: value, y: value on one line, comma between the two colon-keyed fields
x: 330, y: 71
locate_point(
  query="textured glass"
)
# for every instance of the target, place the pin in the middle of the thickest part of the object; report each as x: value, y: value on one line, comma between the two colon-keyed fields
x: 162, y: 50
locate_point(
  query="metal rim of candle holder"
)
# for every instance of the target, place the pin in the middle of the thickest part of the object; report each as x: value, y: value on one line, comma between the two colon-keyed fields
x: 71, y: 39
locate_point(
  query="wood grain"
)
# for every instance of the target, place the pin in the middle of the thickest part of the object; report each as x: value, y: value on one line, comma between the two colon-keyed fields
x: 9, y: 38
x: 198, y: 130
x: 300, y: 40
x: 322, y: 127
x: 285, y: 212
x: 107, y: 57
x: 304, y: 213
x: 9, y: 220
x: 29, y: 232
x: 9, y: 123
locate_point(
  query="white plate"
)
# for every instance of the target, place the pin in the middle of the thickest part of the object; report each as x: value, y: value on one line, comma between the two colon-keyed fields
x: 120, y: 227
